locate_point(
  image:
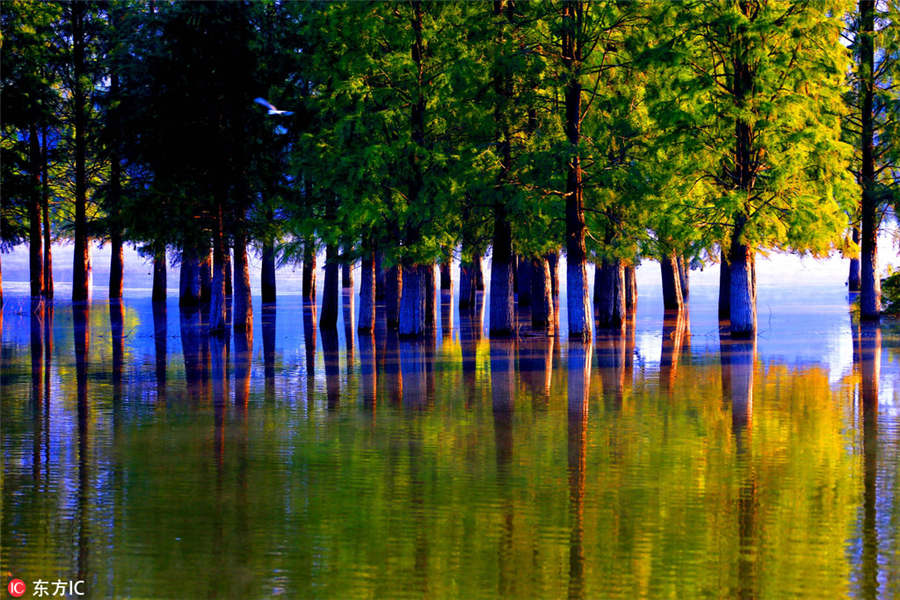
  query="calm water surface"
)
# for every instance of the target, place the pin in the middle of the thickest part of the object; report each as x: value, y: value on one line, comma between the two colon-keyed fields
x: 152, y: 461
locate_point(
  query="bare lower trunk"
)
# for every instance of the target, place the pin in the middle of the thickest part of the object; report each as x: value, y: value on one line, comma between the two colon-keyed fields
x: 853, y: 278
x: 724, y: 287
x: 524, y: 282
x: 267, y: 287
x: 309, y: 270
x: 347, y: 268
x: 366, y: 320
x: 684, y: 277
x: 45, y: 211
x: 380, y: 276
x: 430, y: 304
x: 479, y: 274
x: 206, y: 274
x: 35, y: 239
x: 631, y: 296
x: 502, y: 307
x: 741, y: 292
x: 609, y: 294
x: 446, y: 279
x: 671, y: 283
x: 217, y: 280
x: 159, y: 277
x: 553, y: 262
x: 466, y: 285
x: 412, y: 302
x: 81, y: 269
x: 116, y: 266
x: 189, y: 280
x: 393, y: 287
x: 243, y: 306
x: 870, y: 284
x: 331, y: 293
x: 229, y: 268
x: 542, y: 314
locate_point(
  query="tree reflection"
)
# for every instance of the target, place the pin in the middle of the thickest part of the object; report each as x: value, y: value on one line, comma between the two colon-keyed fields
x: 368, y: 370
x: 611, y: 365
x: 503, y: 399
x: 309, y: 343
x: 192, y: 341
x: 867, y: 361
x: 536, y: 367
x: 243, y: 359
x: 675, y: 332
x: 578, y: 371
x: 349, y: 329
x: 37, y: 384
x: 331, y: 355
x: 412, y: 369
x: 160, y: 346
x: 268, y: 333
x: 82, y: 333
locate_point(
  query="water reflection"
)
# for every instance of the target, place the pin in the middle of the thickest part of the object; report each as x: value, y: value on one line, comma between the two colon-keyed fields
x: 713, y: 468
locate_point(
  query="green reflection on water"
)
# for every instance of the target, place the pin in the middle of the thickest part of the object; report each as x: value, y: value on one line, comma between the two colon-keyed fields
x: 470, y: 468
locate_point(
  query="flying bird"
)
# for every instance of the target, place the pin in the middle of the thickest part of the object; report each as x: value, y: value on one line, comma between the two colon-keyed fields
x: 272, y: 109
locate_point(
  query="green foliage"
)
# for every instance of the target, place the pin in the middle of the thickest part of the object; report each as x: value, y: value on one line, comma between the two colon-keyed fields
x: 890, y: 294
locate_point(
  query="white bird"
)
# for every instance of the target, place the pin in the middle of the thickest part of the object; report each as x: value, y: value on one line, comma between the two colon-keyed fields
x: 272, y: 109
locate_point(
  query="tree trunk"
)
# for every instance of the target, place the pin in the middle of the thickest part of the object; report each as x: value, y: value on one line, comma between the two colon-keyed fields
x: 430, y: 304
x: 45, y: 209
x: 393, y: 288
x: 116, y: 265
x: 81, y: 267
x: 870, y: 285
x: 684, y: 277
x: 35, y: 239
x: 217, y: 319
x: 466, y: 285
x: 853, y: 279
x: 380, y: 276
x: 159, y: 277
x: 542, y: 317
x: 347, y: 268
x: 553, y: 262
x: 631, y: 296
x: 724, y: 287
x: 524, y: 270
x: 242, y: 308
x: 609, y: 294
x: 309, y: 270
x: 671, y: 283
x: 412, y: 303
x: 742, y: 296
x: 268, y: 273
x: 331, y: 293
x: 116, y: 257
x: 229, y: 268
x: 446, y: 279
x: 189, y: 284
x: 577, y: 300
x: 206, y: 274
x: 366, y: 319
x: 479, y: 274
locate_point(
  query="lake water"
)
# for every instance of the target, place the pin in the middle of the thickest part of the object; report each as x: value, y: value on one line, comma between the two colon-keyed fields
x: 152, y: 461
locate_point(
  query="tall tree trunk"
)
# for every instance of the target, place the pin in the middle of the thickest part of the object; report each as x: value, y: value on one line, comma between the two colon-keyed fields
x: 412, y: 302
x: 724, y: 286
x: 116, y: 256
x: 380, y: 276
x: 268, y: 273
x: 446, y: 278
x: 502, y: 308
x: 542, y: 314
x: 229, y: 268
x: 206, y: 274
x: 159, y: 277
x: 576, y: 274
x: 347, y: 267
x: 45, y: 209
x: 35, y: 239
x: 742, y: 312
x: 430, y: 304
x: 217, y: 320
x: 671, y: 283
x: 524, y: 270
x: 870, y: 285
x: 609, y: 294
x: 366, y: 319
x: 243, y: 302
x: 331, y: 293
x: 309, y: 269
x: 393, y: 288
x: 853, y: 279
x: 466, y: 284
x: 631, y: 296
x: 189, y: 279
x: 81, y: 267
x: 553, y: 263
x: 479, y: 274
x: 684, y: 277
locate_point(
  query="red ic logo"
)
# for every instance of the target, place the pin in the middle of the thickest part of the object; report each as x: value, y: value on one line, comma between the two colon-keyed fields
x: 16, y: 588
